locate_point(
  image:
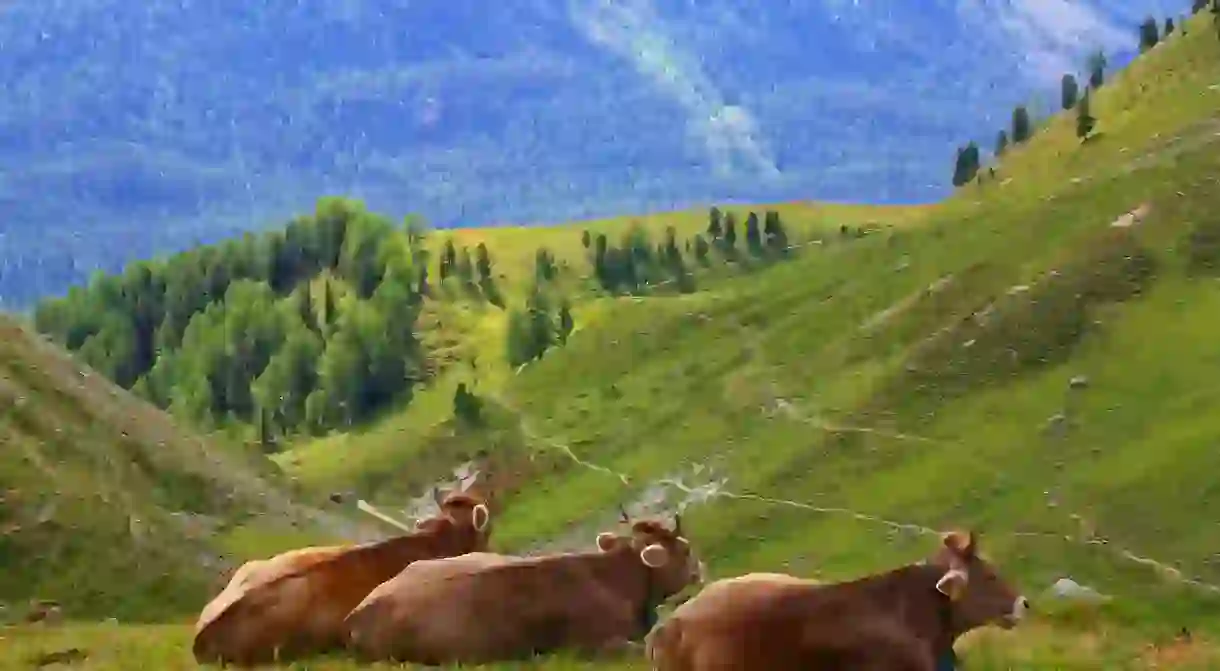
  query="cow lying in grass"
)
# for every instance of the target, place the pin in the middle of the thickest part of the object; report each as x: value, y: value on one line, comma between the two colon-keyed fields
x: 293, y: 604
x: 486, y: 608
x: 903, y: 620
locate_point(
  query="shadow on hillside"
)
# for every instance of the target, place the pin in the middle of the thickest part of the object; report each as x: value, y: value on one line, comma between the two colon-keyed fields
x: 1028, y: 326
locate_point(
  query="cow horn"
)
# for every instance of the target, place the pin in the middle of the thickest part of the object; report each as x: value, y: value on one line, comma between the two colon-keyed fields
x: 366, y: 507
x: 623, y: 513
x: 436, y: 495
x: 677, y: 524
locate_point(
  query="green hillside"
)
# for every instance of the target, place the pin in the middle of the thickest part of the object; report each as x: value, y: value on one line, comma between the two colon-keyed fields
x: 1009, y: 360
x: 109, y: 509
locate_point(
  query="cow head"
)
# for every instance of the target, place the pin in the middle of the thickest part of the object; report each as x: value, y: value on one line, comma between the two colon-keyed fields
x: 977, y: 593
x: 465, y: 515
x: 666, y: 553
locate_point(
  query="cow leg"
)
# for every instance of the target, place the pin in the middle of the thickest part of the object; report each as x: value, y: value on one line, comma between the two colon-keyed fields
x: 710, y: 656
x: 608, y: 635
x: 609, y: 649
x: 899, y: 655
x: 620, y: 647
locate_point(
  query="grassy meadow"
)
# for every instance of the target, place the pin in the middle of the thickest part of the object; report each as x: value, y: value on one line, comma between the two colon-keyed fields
x: 1006, y: 360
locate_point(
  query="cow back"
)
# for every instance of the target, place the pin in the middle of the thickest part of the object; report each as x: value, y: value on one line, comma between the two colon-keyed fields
x: 478, y: 608
x: 421, y: 595
x: 259, y: 573
x: 296, y: 602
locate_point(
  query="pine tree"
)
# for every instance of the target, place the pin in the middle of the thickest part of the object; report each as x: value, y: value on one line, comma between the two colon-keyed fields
x: 773, y: 230
x: 714, y: 224
x: 483, y: 262
x: 465, y: 266
x: 1069, y: 92
x: 1084, y: 119
x: 1097, y: 69
x: 701, y: 249
x: 1149, y: 34
x: 1021, y: 126
x: 967, y: 164
x: 448, y: 260
x: 566, y: 322
x: 753, y: 234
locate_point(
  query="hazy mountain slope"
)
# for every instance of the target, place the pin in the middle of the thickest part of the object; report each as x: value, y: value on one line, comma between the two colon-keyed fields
x: 148, y: 126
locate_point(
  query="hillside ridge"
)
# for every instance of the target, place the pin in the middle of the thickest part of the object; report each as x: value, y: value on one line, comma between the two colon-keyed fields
x: 93, y: 479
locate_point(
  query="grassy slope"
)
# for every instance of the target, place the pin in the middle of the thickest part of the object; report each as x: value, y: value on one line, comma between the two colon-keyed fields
x: 796, y: 385
x: 455, y: 329
x: 106, y: 507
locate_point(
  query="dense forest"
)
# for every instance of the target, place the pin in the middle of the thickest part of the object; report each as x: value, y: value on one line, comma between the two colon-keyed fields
x: 305, y: 328
x: 313, y: 327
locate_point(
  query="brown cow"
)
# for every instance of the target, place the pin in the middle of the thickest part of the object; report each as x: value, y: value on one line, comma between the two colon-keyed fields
x: 903, y: 620
x: 473, y: 611
x: 293, y: 604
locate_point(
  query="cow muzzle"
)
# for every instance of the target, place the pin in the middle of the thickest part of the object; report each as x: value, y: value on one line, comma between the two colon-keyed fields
x: 699, y: 575
x: 1020, y: 607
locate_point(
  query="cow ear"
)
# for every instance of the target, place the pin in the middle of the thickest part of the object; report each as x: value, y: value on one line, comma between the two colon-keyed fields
x: 953, y: 584
x: 654, y: 556
x: 606, y: 541
x: 962, y: 544
x: 480, y: 517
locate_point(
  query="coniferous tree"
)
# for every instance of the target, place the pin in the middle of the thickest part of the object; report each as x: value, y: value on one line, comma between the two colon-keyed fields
x: 601, y: 269
x: 773, y: 231
x: 1149, y: 34
x: 465, y: 266
x: 714, y: 224
x: 1021, y: 125
x: 1084, y: 118
x: 753, y: 234
x: 566, y: 322
x: 483, y: 263
x: 1097, y: 69
x: 702, y: 249
x: 967, y: 164
x: 448, y: 260
x: 670, y: 254
x: 1069, y: 92
x: 730, y: 231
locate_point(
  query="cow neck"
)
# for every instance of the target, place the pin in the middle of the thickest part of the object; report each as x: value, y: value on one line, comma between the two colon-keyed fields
x: 925, y: 611
x: 392, y: 555
x: 622, y: 571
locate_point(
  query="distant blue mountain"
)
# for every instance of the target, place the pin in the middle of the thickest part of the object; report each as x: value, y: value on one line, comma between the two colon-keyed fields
x: 133, y: 128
